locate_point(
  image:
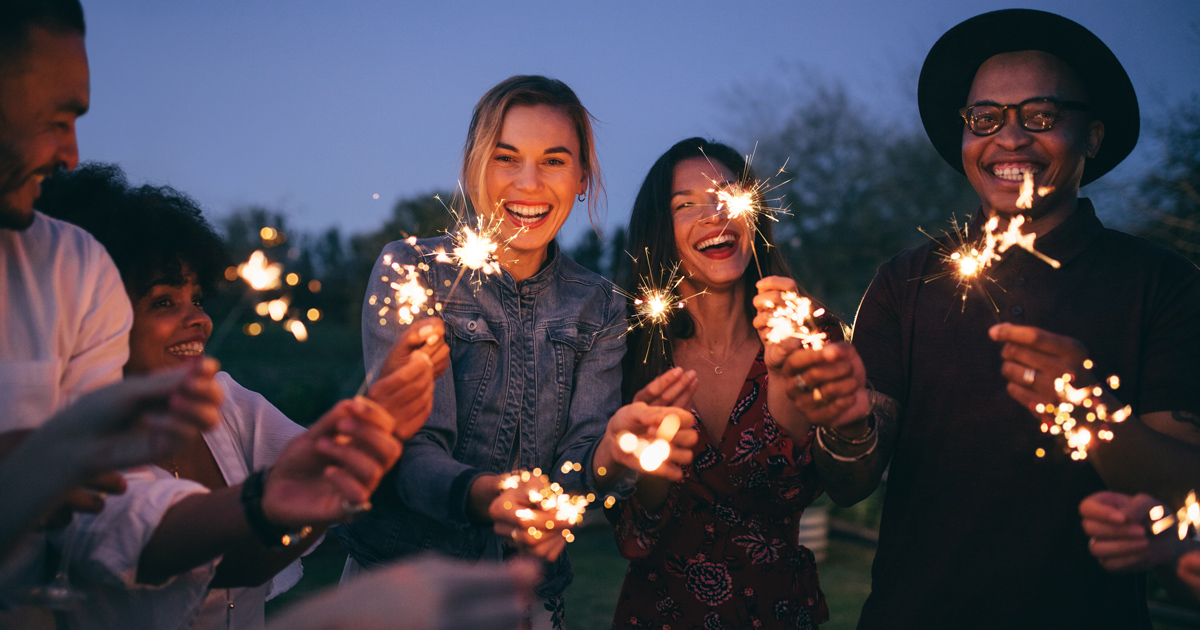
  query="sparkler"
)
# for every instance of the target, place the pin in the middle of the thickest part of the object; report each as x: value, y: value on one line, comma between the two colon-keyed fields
x: 473, y: 248
x: 795, y: 319
x: 260, y: 274
x: 1080, y: 411
x: 1185, y: 519
x: 651, y: 454
x: 748, y: 201
x: 409, y: 297
x: 971, y: 259
x: 567, y: 508
x: 655, y: 302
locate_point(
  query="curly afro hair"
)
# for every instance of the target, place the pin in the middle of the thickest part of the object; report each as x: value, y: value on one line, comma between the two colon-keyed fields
x: 151, y: 232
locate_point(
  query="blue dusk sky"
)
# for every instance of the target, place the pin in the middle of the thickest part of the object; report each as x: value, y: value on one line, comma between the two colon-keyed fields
x: 312, y: 108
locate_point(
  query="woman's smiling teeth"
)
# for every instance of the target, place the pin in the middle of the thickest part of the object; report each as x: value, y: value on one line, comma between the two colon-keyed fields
x: 189, y: 349
x: 719, y: 241
x: 525, y: 214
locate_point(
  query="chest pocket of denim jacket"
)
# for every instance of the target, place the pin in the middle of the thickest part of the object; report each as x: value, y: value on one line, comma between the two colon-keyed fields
x: 473, y: 346
x: 570, y: 343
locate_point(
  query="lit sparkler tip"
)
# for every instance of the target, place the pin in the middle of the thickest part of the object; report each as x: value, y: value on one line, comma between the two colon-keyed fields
x: 794, y: 319
x: 260, y: 274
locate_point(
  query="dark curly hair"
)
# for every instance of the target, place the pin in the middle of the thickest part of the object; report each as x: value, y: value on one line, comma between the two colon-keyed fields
x: 151, y: 232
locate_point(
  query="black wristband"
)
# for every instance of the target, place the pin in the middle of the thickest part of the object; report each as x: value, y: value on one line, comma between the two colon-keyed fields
x: 271, y: 536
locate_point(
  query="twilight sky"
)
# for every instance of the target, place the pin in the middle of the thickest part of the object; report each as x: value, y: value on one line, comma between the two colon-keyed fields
x: 312, y: 107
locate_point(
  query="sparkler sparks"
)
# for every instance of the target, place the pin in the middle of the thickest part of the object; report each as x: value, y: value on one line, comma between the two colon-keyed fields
x: 746, y: 200
x: 656, y: 301
x: 409, y: 297
x: 651, y: 454
x: 795, y: 319
x: 1187, y: 518
x: 1078, y: 409
x: 567, y: 509
x: 260, y: 274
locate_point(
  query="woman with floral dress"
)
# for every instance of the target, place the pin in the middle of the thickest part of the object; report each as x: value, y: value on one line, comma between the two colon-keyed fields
x: 718, y: 549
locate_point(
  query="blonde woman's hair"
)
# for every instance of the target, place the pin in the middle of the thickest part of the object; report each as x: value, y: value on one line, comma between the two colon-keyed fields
x: 488, y: 120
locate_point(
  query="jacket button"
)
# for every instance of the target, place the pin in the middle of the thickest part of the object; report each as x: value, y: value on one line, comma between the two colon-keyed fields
x: 471, y: 325
x: 1016, y: 310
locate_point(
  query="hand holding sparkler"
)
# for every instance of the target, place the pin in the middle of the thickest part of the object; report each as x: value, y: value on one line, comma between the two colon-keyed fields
x: 535, y: 514
x: 405, y: 385
x: 337, y: 463
x: 1189, y: 571
x: 1034, y: 358
x: 1134, y: 533
x: 656, y: 440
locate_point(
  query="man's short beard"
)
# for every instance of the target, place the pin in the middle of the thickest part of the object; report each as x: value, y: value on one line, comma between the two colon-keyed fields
x: 11, y: 182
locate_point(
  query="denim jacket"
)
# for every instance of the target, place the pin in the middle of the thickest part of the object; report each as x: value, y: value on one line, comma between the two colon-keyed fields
x: 540, y: 357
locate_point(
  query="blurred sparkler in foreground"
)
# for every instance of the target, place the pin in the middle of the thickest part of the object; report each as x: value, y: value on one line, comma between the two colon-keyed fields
x: 651, y: 454
x: 260, y: 275
x: 1081, y: 411
x: 1187, y: 518
x: 567, y: 509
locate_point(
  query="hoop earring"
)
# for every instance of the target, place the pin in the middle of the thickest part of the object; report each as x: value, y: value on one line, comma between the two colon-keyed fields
x: 581, y: 197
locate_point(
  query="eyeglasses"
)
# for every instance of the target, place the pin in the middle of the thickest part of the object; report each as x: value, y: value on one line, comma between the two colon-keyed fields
x: 1035, y: 114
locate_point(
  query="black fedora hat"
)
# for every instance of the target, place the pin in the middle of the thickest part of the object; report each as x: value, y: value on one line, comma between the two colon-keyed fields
x: 952, y: 62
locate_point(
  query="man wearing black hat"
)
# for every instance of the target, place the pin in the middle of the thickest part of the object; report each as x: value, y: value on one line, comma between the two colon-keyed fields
x: 980, y: 525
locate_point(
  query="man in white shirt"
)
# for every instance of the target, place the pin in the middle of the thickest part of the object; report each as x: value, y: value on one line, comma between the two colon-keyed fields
x: 64, y: 314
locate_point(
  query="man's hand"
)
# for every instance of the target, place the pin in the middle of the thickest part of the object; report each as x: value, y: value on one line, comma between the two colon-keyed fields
x: 1189, y: 571
x: 1034, y: 358
x: 673, y: 388
x: 1117, y: 528
x: 337, y: 463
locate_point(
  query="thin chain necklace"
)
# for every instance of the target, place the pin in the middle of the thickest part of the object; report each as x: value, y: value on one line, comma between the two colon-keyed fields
x: 717, y: 365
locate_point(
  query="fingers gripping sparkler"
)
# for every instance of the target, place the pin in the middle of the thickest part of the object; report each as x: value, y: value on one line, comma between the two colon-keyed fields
x: 651, y: 454
x: 566, y: 509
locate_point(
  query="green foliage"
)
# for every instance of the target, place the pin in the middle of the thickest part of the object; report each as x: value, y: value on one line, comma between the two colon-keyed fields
x: 1169, y: 194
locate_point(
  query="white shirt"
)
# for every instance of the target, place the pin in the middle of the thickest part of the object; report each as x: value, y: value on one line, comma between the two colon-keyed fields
x: 64, y: 331
x: 65, y: 320
x: 251, y: 435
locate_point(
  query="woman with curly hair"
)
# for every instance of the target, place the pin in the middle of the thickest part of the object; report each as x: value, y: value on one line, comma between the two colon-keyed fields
x: 205, y: 536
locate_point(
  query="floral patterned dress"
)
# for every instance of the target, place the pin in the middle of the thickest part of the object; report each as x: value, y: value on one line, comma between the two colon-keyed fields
x: 723, y: 551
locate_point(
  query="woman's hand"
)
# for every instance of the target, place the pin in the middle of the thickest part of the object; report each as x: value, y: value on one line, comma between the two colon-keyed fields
x: 673, y: 388
x: 524, y: 524
x: 337, y: 463
x: 644, y: 421
x: 828, y: 386
x: 770, y: 296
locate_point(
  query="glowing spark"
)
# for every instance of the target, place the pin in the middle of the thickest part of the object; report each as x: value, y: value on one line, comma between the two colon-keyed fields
x: 795, y: 319
x: 1187, y: 518
x: 651, y: 454
x: 260, y: 274
x: 296, y: 327
x: 1077, y: 409
x: 1025, y: 200
x: 566, y: 509
x: 656, y: 301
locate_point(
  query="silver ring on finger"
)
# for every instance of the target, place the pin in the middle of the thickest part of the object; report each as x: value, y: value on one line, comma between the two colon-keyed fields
x: 1029, y: 376
x: 354, y: 509
x: 801, y: 384
x: 515, y: 536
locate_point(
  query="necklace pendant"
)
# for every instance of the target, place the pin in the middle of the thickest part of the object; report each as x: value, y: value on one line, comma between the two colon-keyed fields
x: 717, y: 370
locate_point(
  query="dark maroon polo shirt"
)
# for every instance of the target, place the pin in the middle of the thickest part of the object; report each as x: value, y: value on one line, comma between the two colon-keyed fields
x: 978, y: 531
